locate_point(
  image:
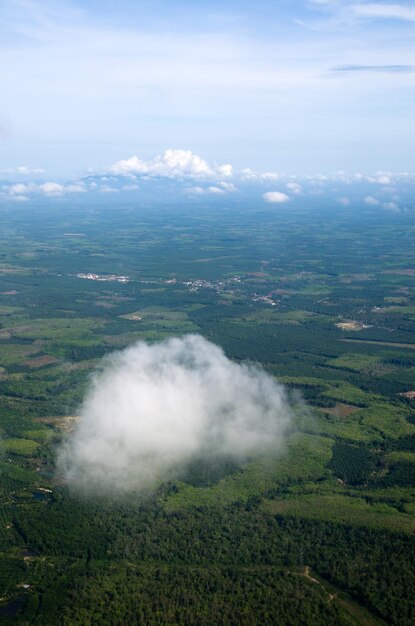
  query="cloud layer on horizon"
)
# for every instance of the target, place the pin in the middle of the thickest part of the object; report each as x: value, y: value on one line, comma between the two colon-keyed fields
x: 178, y: 173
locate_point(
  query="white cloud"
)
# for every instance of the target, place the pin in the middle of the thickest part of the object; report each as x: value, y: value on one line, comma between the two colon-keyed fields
x: 275, y: 197
x: 19, y: 198
x: 108, y: 189
x: 18, y: 188
x: 23, y: 170
x: 294, y: 187
x: 230, y: 187
x: 198, y: 191
x: 268, y: 176
x: 153, y: 408
x: 391, y: 206
x: 249, y: 174
x: 372, y: 201
x: 171, y: 164
x: 52, y: 189
x: 383, y: 179
x: 388, y: 11
x: 18, y: 192
x: 132, y: 165
x: 225, y: 170
x: 216, y: 190
x: 344, y: 201
x: 77, y: 187
x: 48, y: 189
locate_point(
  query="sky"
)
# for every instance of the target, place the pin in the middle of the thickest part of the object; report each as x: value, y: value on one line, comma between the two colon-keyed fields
x: 304, y: 87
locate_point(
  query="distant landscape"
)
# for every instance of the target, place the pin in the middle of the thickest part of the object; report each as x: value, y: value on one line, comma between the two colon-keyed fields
x: 319, y: 295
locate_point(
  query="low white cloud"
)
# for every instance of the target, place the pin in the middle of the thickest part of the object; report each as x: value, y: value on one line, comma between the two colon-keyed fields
x: 225, y: 171
x: 383, y: 179
x: 19, y: 191
x: 229, y: 187
x: 52, y: 189
x: 153, y: 408
x: 195, y: 176
x: 276, y: 197
x: 344, y: 201
x: 391, y: 206
x: 23, y: 170
x: 248, y: 174
x: 108, y: 189
x: 180, y: 164
x: 199, y: 191
x: 294, y: 187
x: 78, y: 187
x: 372, y: 201
x: 18, y: 188
x: 19, y: 198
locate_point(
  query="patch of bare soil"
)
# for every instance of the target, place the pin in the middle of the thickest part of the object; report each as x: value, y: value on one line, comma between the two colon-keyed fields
x: 40, y: 361
x: 65, y: 423
x: 340, y: 410
x: 408, y: 394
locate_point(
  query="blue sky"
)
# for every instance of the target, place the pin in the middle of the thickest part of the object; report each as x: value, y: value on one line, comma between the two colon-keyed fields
x: 301, y: 87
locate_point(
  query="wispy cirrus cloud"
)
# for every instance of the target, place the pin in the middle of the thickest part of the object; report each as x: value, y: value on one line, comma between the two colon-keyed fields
x: 385, y: 11
x: 392, y: 69
x: 253, y: 78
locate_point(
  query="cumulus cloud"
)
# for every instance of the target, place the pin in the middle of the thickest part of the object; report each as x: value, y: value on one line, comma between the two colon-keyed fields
x: 108, y: 189
x: 17, y: 192
x: 230, y: 187
x: 371, y: 201
x: 77, y: 187
x: 171, y: 164
x: 23, y: 170
x: 294, y: 187
x: 199, y: 191
x: 153, y: 408
x: 20, y: 198
x: 251, y: 175
x: 344, y: 201
x: 383, y: 179
x: 18, y: 188
x: 275, y: 197
x: 52, y: 189
x: 20, y: 191
x: 391, y: 206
